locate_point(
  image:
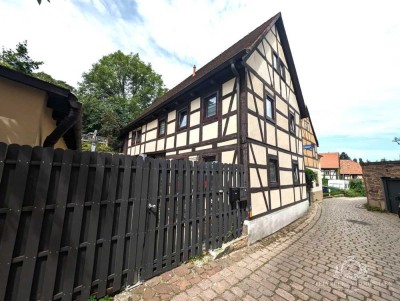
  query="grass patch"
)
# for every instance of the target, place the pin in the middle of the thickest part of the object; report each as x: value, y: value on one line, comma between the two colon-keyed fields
x: 193, y: 259
x: 372, y: 208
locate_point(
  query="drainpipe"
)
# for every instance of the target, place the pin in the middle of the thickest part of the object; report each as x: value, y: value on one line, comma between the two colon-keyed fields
x: 67, y: 123
x: 236, y: 73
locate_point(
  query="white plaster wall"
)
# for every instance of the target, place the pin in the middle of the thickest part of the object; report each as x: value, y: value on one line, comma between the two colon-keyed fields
x: 268, y: 224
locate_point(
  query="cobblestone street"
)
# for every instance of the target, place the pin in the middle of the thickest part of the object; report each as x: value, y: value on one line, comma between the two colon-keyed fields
x: 339, y: 252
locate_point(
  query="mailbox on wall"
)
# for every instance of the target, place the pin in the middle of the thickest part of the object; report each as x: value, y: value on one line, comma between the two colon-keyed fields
x: 236, y: 194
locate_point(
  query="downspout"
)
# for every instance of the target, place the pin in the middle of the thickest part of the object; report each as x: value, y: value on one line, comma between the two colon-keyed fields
x: 238, y: 106
x: 67, y: 123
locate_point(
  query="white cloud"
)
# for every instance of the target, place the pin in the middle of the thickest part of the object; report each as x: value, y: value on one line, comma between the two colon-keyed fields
x: 346, y: 52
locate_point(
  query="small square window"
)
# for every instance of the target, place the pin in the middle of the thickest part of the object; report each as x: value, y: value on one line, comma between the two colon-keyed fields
x: 273, y: 171
x: 306, y: 125
x: 292, y: 123
x: 182, y: 119
x: 296, y: 174
x: 138, y: 137
x: 269, y: 107
x: 161, y: 127
x: 210, y: 106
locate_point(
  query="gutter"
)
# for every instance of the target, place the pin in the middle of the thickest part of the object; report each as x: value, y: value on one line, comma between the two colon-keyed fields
x: 238, y: 106
x: 66, y: 124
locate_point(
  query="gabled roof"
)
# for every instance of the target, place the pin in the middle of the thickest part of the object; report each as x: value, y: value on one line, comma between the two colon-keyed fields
x: 329, y: 160
x: 236, y: 52
x: 60, y: 100
x: 349, y: 167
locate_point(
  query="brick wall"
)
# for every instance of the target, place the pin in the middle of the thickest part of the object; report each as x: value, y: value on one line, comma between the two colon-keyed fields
x: 373, y: 174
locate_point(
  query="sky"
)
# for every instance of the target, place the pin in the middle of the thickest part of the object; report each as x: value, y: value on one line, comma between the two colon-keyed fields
x: 347, y: 53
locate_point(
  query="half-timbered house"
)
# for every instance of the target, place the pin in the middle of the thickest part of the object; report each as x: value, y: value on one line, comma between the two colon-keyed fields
x: 311, y: 157
x: 243, y: 107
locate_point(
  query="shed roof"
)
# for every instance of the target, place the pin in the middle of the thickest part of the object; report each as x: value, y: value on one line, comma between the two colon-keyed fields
x: 329, y: 160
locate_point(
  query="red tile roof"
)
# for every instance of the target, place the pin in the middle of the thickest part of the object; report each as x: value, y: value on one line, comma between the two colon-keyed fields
x: 329, y: 160
x: 349, y: 167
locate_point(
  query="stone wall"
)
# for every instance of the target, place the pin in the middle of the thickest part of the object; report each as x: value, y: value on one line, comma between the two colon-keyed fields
x: 373, y: 174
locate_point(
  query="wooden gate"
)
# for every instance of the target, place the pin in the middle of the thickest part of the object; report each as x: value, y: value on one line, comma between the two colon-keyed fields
x: 75, y: 224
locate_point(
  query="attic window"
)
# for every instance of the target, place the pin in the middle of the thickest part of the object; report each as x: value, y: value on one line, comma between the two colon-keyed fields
x: 282, y: 70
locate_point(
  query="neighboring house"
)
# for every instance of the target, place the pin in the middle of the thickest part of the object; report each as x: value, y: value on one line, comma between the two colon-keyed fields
x: 243, y: 107
x: 330, y: 165
x: 382, y: 184
x: 36, y: 113
x: 350, y: 170
x: 311, y: 157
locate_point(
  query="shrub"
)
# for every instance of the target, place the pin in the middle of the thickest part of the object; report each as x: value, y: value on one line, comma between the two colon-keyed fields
x: 311, y: 176
x: 324, y: 181
x: 358, y: 186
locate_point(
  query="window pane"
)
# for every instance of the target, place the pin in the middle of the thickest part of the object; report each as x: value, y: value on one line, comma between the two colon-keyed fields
x: 162, y: 127
x: 211, y: 106
x: 272, y: 171
x: 275, y: 61
x: 282, y: 70
x: 182, y: 119
x: 296, y: 173
x: 292, y: 124
x: 269, y: 108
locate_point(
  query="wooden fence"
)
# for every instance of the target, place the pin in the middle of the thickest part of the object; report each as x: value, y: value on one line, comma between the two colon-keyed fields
x: 74, y: 224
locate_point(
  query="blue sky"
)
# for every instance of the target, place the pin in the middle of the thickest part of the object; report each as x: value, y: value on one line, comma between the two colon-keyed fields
x: 347, y: 53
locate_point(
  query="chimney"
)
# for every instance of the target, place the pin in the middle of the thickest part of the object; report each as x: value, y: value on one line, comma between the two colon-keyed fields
x: 194, y: 70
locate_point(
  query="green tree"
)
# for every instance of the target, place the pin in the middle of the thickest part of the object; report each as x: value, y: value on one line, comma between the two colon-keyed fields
x: 344, y: 156
x: 360, y: 160
x: 397, y: 140
x: 19, y: 59
x: 355, y: 160
x: 311, y: 177
x: 48, y: 78
x: 114, y: 91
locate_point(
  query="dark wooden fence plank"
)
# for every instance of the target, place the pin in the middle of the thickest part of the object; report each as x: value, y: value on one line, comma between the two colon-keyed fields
x: 186, y: 209
x: 171, y: 214
x: 201, y: 208
x: 79, y: 199
x: 35, y: 227
x: 133, y: 265
x: 214, y: 207
x: 207, y: 183
x: 163, y: 212
x: 226, y: 204
x: 94, y: 223
x: 179, y: 205
x: 220, y: 206
x: 3, y: 152
x: 57, y: 226
x: 193, y: 218
x: 14, y: 202
x: 106, y: 249
x: 152, y: 211
x: 122, y: 223
x: 143, y: 213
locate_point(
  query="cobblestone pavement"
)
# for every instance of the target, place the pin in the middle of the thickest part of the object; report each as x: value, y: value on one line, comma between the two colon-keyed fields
x: 339, y: 251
